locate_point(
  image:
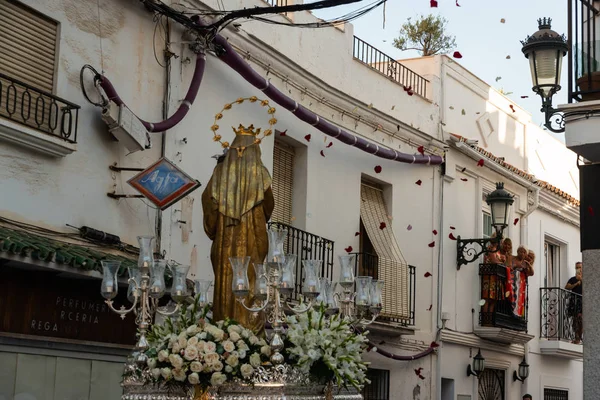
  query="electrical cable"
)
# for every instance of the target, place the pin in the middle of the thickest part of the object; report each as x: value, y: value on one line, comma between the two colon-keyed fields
x: 96, y: 81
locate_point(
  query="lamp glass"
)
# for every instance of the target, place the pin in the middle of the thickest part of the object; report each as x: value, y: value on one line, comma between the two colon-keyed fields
x: 545, y: 65
x: 523, y: 369
x: 478, y: 363
x: 499, y: 213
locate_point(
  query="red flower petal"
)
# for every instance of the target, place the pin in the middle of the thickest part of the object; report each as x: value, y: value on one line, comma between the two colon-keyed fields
x: 457, y: 5
x: 432, y: 244
x: 457, y: 54
x: 418, y: 370
x: 419, y: 182
x: 434, y: 345
x: 515, y: 221
x: 480, y: 163
x: 464, y: 169
x: 524, y: 97
x: 410, y: 92
x: 322, y: 153
x: 452, y: 227
x: 430, y: 307
x: 464, y: 179
x: 451, y: 236
x: 433, y: 3
x: 382, y: 225
x: 434, y: 232
x: 421, y: 150
x: 377, y: 169
x: 307, y: 137
x: 512, y: 108
x: 357, y: 234
x: 422, y: 377
x: 427, y: 274
x: 329, y: 145
x: 591, y: 211
x: 348, y: 249
x: 409, y: 228
x: 283, y: 133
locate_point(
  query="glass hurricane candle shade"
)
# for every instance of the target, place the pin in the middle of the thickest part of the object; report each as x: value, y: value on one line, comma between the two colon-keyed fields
x: 326, y: 295
x: 146, y: 257
x: 377, y: 294
x: 311, y: 287
x: 179, y: 287
x: 201, y: 287
x: 109, y: 286
x: 363, y: 291
x: 276, y: 237
x: 240, y: 284
x: 347, y: 271
x: 288, y: 269
x: 135, y: 280
x: 261, y: 283
x: 157, y: 279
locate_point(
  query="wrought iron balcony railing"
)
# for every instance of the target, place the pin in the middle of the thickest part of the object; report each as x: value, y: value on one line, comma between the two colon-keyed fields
x: 559, y: 309
x: 399, y: 287
x: 389, y: 67
x: 501, y: 308
x: 584, y: 50
x: 37, y: 109
x: 307, y: 246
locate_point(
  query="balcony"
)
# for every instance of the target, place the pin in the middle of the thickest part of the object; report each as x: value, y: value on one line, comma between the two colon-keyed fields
x: 37, y: 119
x: 306, y: 246
x: 399, y: 289
x: 386, y: 65
x: 584, y: 51
x: 558, y: 323
x: 497, y: 320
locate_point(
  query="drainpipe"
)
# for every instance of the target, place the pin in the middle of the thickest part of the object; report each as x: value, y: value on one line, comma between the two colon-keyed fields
x: 530, y: 209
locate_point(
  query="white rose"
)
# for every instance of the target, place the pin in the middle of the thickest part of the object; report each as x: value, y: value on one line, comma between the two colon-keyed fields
x: 211, y: 358
x: 151, y: 363
x: 179, y: 375
x: 242, y: 354
x: 176, y: 361
x: 217, y: 379
x: 234, y: 336
x: 176, y: 348
x: 234, y: 328
x: 192, y: 330
x: 196, y: 366
x: 246, y: 370
x: 172, y: 339
x: 194, y: 379
x: 266, y: 350
x: 217, y: 366
x: 201, y: 346
x: 246, y: 333
x: 163, y: 355
x: 156, y: 373
x: 228, y: 346
x: 261, y: 342
x: 166, y: 373
x: 255, y: 360
x: 253, y: 340
x: 210, y: 347
x: 232, y: 360
x: 182, y: 342
x: 202, y: 335
x: 219, y: 334
x: 228, y: 369
x: 192, y: 341
x: 191, y: 353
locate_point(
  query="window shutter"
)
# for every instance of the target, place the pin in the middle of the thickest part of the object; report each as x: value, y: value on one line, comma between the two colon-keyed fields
x: 27, y: 45
x: 283, y: 180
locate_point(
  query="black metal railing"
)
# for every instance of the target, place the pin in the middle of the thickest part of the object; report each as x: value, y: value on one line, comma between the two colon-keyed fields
x: 367, y: 264
x: 559, y: 310
x: 278, y: 3
x: 306, y: 246
x: 584, y: 51
x: 386, y: 65
x: 379, y: 386
x: 498, y: 310
x: 35, y: 108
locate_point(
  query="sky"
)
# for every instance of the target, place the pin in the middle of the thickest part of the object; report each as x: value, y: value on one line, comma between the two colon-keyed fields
x: 481, y: 38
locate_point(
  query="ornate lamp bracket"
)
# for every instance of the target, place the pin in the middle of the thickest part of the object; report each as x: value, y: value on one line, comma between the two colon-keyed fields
x: 469, y: 250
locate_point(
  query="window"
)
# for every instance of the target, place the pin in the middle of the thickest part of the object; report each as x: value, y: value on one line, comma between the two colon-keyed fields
x: 283, y: 182
x: 491, y: 384
x: 487, y: 225
x: 552, y: 258
x: 379, y: 388
x: 555, y: 394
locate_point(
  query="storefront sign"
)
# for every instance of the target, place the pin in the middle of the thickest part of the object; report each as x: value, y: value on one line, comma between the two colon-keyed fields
x: 43, y: 304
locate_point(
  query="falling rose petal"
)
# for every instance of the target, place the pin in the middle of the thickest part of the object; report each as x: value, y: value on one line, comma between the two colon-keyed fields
x: 457, y: 5
x: 418, y: 370
x: 451, y: 236
x: 457, y: 54
x: 591, y: 211
x: 398, y: 128
x: 512, y: 108
x: 508, y: 57
x: 293, y: 219
x: 451, y: 107
x: 464, y: 179
x: 427, y: 274
x: 421, y: 150
x: 434, y: 232
x: 463, y: 112
x: 307, y: 137
x: 370, y: 105
x: 433, y: 3
x: 348, y: 249
x: 482, y: 302
x: 515, y: 221
x: 524, y: 97
x: 382, y: 225
x: 430, y: 307
x: 409, y: 228
x: 283, y: 133
x: 419, y: 182
x: 453, y: 228
x: 377, y: 169
x: 329, y: 145
x: 434, y: 345
x: 393, y: 107
x: 502, y: 20
x: 498, y: 78
x: 356, y: 233
x: 464, y: 169
x: 480, y: 163
x: 322, y: 153
x: 422, y: 377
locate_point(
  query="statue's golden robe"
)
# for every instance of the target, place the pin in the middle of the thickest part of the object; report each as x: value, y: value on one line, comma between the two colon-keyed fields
x: 237, y: 204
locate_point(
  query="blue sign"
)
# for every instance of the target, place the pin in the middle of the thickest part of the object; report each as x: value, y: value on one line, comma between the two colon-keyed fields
x: 163, y: 183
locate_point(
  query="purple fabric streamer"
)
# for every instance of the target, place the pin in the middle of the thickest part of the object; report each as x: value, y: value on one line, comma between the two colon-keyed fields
x: 402, y: 358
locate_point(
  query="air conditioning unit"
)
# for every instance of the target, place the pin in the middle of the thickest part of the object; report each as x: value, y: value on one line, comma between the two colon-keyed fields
x: 125, y: 126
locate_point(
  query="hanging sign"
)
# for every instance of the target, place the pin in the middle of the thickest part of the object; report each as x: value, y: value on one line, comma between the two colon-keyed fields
x: 163, y: 183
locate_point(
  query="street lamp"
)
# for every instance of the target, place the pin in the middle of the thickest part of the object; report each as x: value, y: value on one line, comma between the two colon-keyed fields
x: 523, y: 371
x: 478, y: 365
x: 545, y: 50
x: 499, y: 201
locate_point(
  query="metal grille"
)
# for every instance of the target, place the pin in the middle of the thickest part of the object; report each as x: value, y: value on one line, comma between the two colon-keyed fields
x: 493, y: 280
x: 491, y: 384
x: 584, y: 49
x: 283, y: 182
x: 379, y: 388
x: 278, y: 3
x: 555, y: 394
x: 389, y: 67
x: 559, y: 313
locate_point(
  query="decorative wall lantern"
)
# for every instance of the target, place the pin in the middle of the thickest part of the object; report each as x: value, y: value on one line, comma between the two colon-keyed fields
x: 478, y: 365
x: 499, y: 201
x: 545, y: 50
x: 523, y: 372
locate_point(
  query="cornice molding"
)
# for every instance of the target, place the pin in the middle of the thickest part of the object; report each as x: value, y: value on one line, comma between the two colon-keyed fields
x: 471, y: 340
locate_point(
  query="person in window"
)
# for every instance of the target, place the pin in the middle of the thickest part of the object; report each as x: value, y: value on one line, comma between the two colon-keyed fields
x: 491, y: 287
x: 575, y: 285
x: 520, y: 269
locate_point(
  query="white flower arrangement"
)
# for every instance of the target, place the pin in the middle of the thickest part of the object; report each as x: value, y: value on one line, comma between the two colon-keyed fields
x: 327, y: 347
x: 194, y: 350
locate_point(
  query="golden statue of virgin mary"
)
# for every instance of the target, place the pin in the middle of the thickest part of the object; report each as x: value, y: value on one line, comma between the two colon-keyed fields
x: 237, y: 204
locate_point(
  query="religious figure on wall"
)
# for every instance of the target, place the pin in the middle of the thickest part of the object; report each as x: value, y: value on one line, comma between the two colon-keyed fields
x: 237, y: 204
